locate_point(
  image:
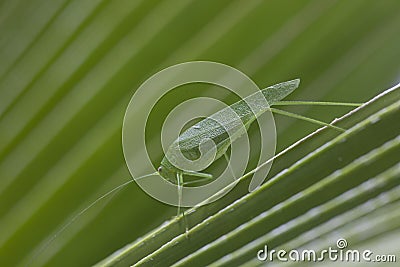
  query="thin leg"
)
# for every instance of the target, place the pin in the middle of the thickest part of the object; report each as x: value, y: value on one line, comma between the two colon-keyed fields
x: 297, y: 116
x: 229, y: 166
x: 196, y: 181
x: 198, y: 174
x: 179, y: 179
x: 315, y: 103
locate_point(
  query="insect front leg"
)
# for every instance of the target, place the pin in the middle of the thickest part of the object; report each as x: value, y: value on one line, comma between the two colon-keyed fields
x: 179, y: 179
x: 196, y: 181
x: 198, y: 174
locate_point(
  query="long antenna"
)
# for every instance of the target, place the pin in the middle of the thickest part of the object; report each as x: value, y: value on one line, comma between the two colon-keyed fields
x: 65, y: 226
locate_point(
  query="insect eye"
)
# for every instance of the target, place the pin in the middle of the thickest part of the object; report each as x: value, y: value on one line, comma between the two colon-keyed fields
x: 159, y: 169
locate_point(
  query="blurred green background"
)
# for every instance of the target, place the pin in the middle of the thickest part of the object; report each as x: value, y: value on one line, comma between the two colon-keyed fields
x: 68, y: 69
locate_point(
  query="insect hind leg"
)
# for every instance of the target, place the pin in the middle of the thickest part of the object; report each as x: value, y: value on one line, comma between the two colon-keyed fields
x: 226, y: 156
x: 314, y: 121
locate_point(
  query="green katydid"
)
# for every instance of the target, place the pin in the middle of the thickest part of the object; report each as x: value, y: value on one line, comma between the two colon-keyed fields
x: 188, y: 142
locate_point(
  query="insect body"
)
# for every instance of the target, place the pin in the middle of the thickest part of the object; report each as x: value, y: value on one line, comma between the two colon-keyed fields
x: 189, y: 141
